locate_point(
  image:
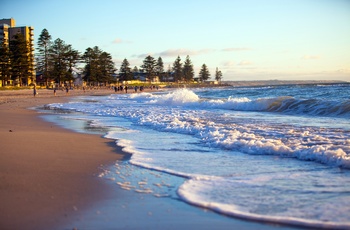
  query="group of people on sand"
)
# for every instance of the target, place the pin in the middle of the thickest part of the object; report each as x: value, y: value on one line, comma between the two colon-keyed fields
x: 136, y: 88
x: 125, y: 88
x: 122, y: 88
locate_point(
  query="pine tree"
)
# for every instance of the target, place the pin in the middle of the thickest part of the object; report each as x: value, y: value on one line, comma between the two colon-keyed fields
x: 168, y: 73
x: 107, y: 67
x: 218, y: 75
x: 89, y: 69
x: 177, y: 68
x: 204, y: 73
x: 125, y: 71
x: 64, y: 58
x: 58, y: 53
x: 135, y: 72
x: 99, y: 66
x: 92, y: 72
x: 149, y: 66
x: 72, y: 57
x: 160, y: 68
x: 5, y: 63
x: 188, y: 71
x: 43, y: 63
x: 21, y: 61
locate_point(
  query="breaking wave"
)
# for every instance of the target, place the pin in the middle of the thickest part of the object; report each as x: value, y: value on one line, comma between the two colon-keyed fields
x: 282, y: 104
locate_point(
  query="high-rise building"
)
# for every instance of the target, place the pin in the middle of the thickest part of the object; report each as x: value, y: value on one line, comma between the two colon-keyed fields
x: 4, y: 33
x: 8, y: 32
x: 10, y: 22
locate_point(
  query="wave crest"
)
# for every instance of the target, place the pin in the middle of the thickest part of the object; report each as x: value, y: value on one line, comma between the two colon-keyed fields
x: 282, y: 104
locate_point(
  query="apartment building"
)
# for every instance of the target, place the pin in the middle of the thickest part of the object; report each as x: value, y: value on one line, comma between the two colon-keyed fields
x: 8, y: 31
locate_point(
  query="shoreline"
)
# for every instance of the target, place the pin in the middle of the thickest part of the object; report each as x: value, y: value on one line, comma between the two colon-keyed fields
x: 49, y: 179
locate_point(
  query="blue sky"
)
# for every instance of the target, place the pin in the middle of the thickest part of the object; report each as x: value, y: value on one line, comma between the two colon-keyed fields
x: 246, y: 40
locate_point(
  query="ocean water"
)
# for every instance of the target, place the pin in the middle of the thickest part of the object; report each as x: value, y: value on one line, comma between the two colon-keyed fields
x: 277, y: 154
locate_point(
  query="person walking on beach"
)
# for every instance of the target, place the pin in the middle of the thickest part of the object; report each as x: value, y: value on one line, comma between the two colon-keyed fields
x: 34, y: 90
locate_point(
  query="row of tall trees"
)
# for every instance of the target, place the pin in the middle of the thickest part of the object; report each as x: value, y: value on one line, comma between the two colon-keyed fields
x: 16, y: 61
x: 185, y: 72
x: 204, y: 74
x: 151, y: 68
x: 57, y: 60
x: 179, y: 71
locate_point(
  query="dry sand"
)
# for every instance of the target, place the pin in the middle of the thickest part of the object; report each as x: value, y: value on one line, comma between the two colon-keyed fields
x: 47, y: 173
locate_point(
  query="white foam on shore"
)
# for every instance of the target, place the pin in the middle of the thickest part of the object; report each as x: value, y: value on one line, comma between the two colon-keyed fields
x: 217, y: 131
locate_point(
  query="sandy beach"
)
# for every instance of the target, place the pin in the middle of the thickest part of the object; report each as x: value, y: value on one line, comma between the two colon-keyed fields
x: 49, y: 178
x: 46, y: 172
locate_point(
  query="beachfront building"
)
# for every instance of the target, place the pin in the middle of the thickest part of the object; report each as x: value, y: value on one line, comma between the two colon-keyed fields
x: 8, y: 33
